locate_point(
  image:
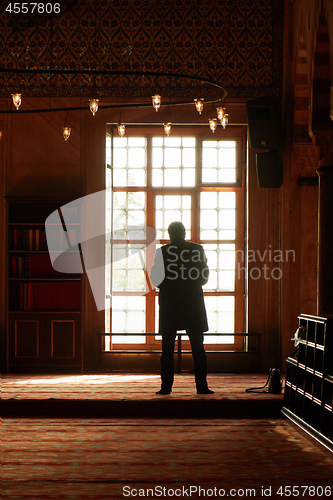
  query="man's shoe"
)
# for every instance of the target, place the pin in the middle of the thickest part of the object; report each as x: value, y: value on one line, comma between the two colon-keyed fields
x: 163, y: 391
x: 205, y: 391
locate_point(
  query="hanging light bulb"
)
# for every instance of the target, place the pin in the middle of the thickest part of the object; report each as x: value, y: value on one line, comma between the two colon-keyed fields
x: 66, y: 129
x: 224, y: 121
x: 121, y: 126
x: 212, y: 124
x: 222, y: 116
x: 17, y: 100
x: 220, y: 113
x: 121, y: 129
x: 93, y: 106
x: 167, y: 128
x: 156, y: 100
x: 66, y: 132
x: 199, y: 105
x: 167, y: 123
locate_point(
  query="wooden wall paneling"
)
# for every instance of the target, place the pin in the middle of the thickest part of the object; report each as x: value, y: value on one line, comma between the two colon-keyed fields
x: 42, y: 162
x: 263, y: 271
x: 93, y: 164
x: 4, y: 131
x: 299, y: 238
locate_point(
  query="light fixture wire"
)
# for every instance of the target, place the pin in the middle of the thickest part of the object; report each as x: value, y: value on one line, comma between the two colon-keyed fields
x: 58, y: 71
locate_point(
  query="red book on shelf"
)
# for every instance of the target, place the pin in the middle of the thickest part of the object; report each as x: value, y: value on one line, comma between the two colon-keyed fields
x: 37, y: 264
x: 46, y: 295
x: 25, y: 296
x: 37, y: 239
x: 48, y: 266
x: 20, y: 267
x: 29, y: 298
x: 52, y: 295
x: 27, y: 266
x: 21, y: 239
x: 10, y: 240
x: 33, y: 266
x: 21, y: 296
x: 43, y: 242
x: 78, y: 296
x: 40, y: 266
x: 14, y: 266
x: 38, y: 295
x: 43, y: 296
x: 60, y: 297
x: 33, y: 295
x: 67, y: 296
x: 30, y: 239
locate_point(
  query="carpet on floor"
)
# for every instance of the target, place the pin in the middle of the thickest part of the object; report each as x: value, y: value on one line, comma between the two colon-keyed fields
x: 113, y: 459
x: 122, y: 395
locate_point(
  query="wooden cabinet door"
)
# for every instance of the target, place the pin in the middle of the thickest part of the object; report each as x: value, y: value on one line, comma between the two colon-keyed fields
x: 63, y: 340
x: 26, y: 340
x: 44, y: 341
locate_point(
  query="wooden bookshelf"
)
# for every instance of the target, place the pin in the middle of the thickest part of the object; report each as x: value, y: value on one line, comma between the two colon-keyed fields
x: 43, y: 305
x: 308, y: 398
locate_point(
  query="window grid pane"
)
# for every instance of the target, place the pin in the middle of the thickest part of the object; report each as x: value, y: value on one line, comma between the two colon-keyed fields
x: 221, y: 318
x: 219, y: 162
x: 128, y: 316
x: 129, y: 268
x: 218, y: 216
x: 173, y: 161
x: 221, y: 263
x: 129, y: 215
x: 129, y: 161
x: 170, y: 208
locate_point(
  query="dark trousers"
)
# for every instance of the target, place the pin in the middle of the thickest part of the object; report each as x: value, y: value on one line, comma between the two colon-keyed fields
x: 198, y: 353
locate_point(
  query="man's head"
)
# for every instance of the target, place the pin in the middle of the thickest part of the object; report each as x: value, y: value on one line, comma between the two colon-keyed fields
x: 176, y: 230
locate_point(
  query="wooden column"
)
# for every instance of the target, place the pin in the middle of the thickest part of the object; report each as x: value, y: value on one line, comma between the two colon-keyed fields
x: 325, y: 241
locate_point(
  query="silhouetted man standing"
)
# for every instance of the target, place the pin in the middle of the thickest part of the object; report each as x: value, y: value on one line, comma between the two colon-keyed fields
x: 180, y: 270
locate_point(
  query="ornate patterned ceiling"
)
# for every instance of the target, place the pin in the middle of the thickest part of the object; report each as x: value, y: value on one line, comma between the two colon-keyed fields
x: 235, y: 42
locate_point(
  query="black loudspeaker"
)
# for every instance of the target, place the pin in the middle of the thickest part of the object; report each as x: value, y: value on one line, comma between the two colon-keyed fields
x: 269, y: 169
x: 264, y: 120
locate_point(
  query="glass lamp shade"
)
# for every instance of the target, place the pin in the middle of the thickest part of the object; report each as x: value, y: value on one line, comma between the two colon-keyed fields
x: 66, y: 132
x: 17, y: 99
x: 212, y: 124
x: 94, y: 106
x: 220, y: 113
x: 222, y: 116
x: 198, y: 105
x: 224, y: 121
x: 156, y: 100
x: 121, y: 129
x: 167, y: 128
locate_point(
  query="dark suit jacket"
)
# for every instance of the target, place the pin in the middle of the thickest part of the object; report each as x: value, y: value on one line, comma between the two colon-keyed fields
x: 180, y: 270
